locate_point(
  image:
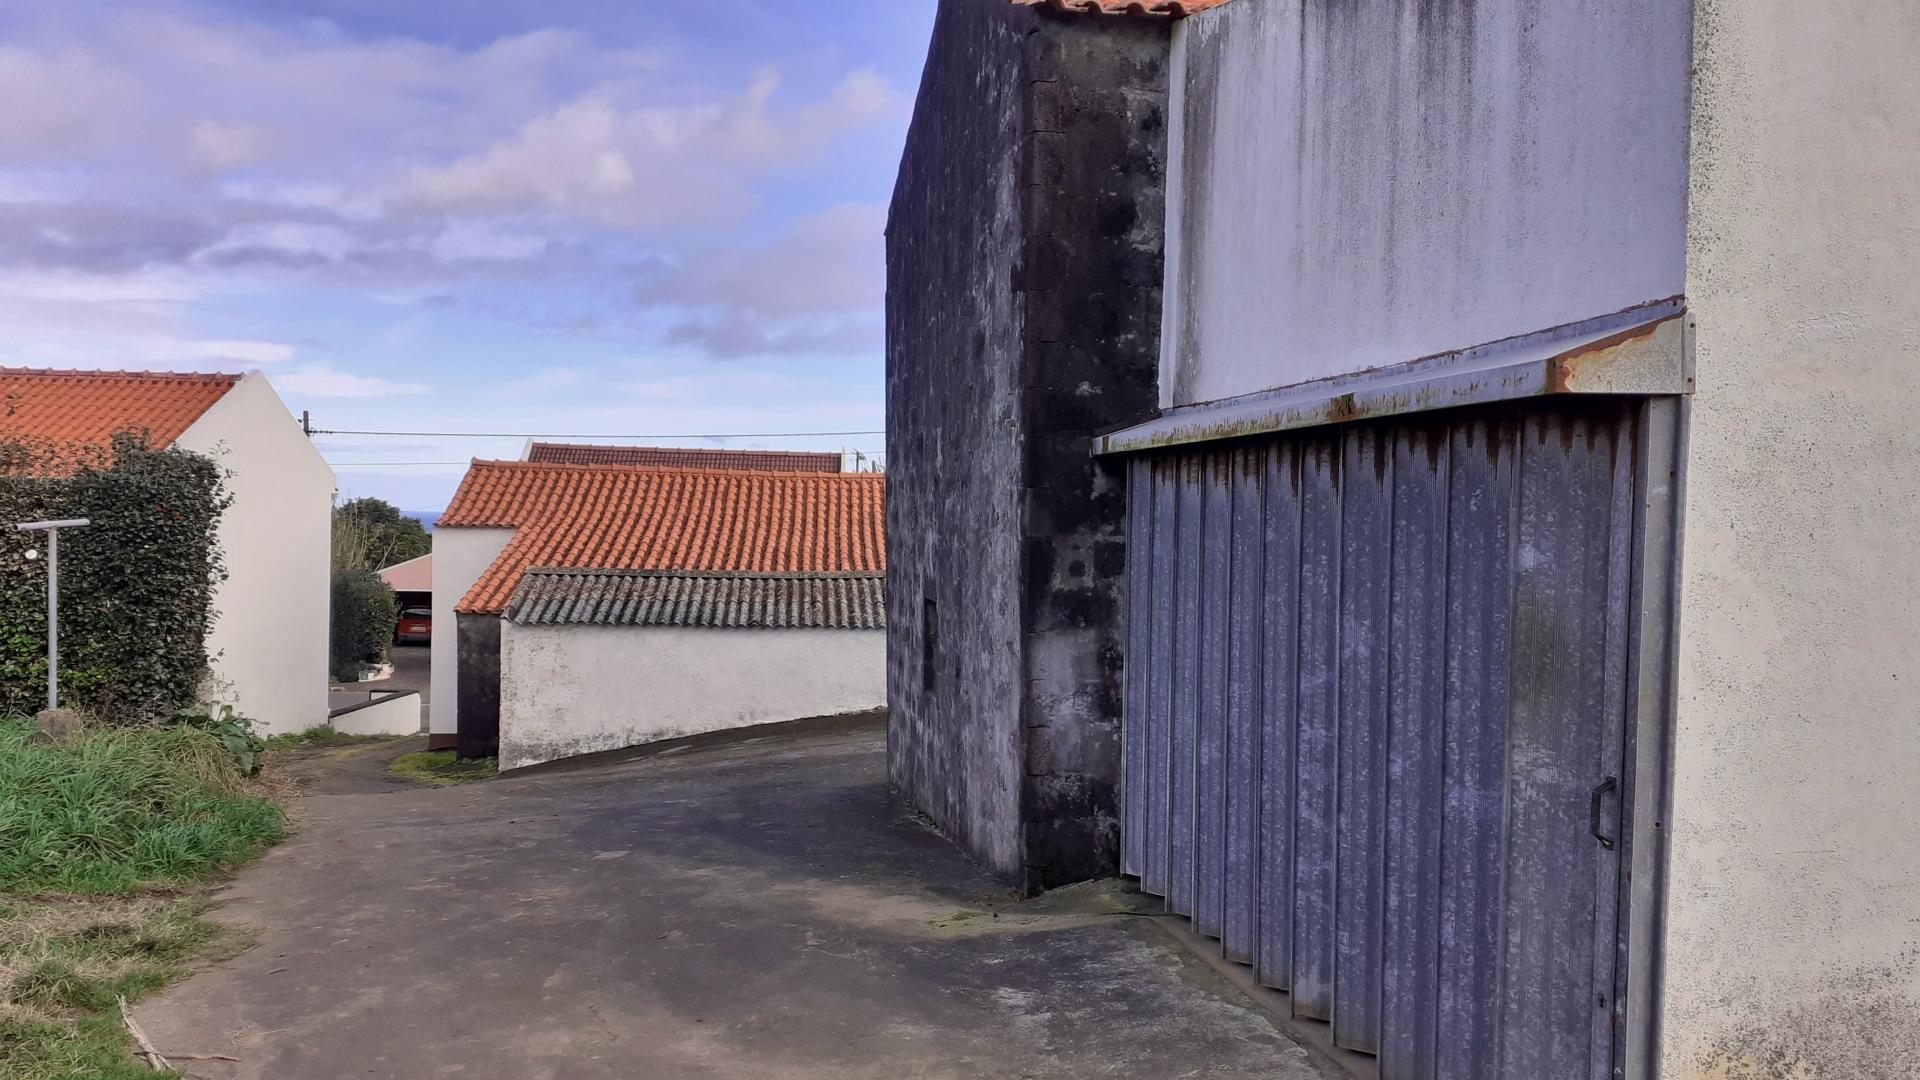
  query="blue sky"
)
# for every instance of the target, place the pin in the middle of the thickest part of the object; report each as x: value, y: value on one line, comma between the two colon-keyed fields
x: 463, y: 215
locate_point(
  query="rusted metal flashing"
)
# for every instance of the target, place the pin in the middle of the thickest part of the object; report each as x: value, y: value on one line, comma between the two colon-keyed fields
x: 1650, y: 355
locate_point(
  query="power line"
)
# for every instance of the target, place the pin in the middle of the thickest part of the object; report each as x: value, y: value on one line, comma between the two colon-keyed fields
x: 536, y: 435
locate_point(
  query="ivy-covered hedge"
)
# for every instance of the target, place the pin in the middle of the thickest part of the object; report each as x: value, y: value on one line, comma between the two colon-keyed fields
x: 136, y: 587
x: 365, y: 610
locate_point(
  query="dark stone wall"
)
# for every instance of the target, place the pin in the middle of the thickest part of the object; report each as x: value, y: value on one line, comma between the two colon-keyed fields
x: 478, y: 684
x: 1024, y: 265
x: 954, y: 347
x: 1090, y: 279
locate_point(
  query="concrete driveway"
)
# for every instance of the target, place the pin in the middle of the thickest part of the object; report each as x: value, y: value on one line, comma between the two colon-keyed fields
x: 764, y: 909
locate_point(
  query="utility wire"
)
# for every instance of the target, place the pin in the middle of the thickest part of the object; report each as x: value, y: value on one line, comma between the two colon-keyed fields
x: 532, y: 435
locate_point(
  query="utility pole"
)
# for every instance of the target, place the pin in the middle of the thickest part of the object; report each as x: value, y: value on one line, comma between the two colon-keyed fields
x: 52, y: 529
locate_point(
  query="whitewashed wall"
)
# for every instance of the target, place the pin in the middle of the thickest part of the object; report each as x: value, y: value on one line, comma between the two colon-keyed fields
x: 1794, y: 948
x: 270, y: 638
x: 460, y: 556
x: 569, y: 690
x: 1356, y: 185
x: 396, y: 714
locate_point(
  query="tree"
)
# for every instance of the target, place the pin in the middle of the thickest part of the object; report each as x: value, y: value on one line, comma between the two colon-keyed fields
x: 372, y: 534
x: 364, y: 610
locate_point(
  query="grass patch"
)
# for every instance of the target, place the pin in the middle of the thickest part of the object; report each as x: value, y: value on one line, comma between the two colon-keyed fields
x: 97, y: 837
x: 443, y: 768
x: 117, y: 810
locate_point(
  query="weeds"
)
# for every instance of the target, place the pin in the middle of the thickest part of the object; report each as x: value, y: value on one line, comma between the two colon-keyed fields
x: 443, y: 768
x: 317, y: 735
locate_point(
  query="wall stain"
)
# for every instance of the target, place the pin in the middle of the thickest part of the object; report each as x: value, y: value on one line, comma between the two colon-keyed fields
x: 1865, y: 1026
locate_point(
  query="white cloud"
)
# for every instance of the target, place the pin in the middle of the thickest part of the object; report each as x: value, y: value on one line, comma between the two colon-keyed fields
x: 631, y: 166
x: 217, y: 148
x: 321, y: 381
x: 816, y: 289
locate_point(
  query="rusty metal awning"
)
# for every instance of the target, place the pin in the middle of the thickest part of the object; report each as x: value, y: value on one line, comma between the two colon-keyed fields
x: 1644, y: 352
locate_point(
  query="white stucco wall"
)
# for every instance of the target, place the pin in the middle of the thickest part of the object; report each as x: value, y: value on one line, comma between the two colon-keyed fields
x: 396, y: 714
x: 1355, y: 185
x: 1794, y: 945
x: 460, y: 556
x: 269, y: 640
x: 567, y: 690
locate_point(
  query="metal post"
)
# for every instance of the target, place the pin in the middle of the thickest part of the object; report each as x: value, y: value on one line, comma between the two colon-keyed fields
x: 53, y: 618
x: 52, y: 529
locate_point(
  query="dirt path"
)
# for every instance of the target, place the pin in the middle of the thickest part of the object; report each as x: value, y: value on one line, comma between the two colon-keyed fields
x: 766, y: 909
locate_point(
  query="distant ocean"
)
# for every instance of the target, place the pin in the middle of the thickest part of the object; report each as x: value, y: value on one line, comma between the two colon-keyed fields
x: 424, y: 517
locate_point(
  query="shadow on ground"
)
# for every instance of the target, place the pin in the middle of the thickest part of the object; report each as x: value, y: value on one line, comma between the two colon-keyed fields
x: 767, y: 909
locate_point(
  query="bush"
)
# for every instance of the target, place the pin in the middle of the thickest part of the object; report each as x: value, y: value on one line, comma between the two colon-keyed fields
x: 136, y: 586
x: 365, y: 610
x: 117, y: 809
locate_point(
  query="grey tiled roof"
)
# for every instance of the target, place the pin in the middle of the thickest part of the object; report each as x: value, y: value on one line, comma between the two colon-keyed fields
x: 670, y: 598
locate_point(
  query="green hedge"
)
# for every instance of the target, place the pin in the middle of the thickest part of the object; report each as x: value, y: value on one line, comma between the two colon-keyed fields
x: 136, y: 587
x: 365, y: 610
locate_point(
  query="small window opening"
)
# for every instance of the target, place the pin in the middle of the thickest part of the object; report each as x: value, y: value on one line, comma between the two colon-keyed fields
x: 929, y: 643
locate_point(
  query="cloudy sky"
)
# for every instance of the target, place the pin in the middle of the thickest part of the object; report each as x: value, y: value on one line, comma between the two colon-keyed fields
x: 570, y: 216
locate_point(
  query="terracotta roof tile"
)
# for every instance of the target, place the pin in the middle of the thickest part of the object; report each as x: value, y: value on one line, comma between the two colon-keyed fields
x: 1171, y: 8
x: 674, y: 457
x: 617, y: 517
x: 87, y: 408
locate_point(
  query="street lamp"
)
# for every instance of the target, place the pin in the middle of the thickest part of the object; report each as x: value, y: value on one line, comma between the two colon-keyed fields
x: 52, y: 529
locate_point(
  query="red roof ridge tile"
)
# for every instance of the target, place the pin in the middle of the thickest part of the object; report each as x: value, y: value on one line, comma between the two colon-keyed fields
x: 94, y: 373
x: 574, y: 466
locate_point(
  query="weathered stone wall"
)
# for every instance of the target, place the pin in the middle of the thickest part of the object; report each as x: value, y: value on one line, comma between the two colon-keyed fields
x: 954, y: 342
x: 478, y: 682
x: 1089, y: 280
x: 1022, y: 316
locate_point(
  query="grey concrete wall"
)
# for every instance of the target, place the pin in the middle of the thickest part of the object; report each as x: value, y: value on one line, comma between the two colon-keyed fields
x: 1022, y: 312
x: 1794, y: 914
x: 1361, y: 184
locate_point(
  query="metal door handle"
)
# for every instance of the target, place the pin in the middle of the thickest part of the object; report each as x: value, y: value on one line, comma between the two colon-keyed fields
x: 1600, y: 793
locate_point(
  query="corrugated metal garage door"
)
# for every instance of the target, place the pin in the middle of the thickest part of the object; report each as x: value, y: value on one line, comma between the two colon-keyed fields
x: 1375, y: 726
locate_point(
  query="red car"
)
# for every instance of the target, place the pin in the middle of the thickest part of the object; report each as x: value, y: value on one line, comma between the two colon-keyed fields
x: 416, y: 626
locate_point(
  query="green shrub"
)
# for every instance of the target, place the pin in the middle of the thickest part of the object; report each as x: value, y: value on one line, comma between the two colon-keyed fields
x: 117, y: 809
x: 365, y: 610
x: 136, y: 586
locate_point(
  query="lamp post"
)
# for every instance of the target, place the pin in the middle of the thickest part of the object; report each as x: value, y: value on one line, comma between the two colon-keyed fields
x: 52, y: 529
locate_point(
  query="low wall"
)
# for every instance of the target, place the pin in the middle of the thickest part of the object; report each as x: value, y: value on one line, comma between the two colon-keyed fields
x: 570, y: 690
x: 392, y: 714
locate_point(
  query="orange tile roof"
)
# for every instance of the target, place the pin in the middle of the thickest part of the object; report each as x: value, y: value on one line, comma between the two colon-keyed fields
x: 71, y: 409
x: 624, y: 517
x: 1173, y: 8
x: 674, y: 457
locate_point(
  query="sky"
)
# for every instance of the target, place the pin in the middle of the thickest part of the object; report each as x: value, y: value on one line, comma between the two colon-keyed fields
x: 591, y: 217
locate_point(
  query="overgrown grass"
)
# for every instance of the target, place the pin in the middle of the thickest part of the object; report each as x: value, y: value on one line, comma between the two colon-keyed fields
x: 317, y: 735
x: 116, y: 810
x: 97, y: 838
x: 65, y: 962
x: 443, y: 768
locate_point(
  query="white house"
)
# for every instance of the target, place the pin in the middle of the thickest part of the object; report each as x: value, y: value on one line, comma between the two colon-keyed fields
x: 269, y: 637
x: 602, y: 659
x: 585, y: 607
